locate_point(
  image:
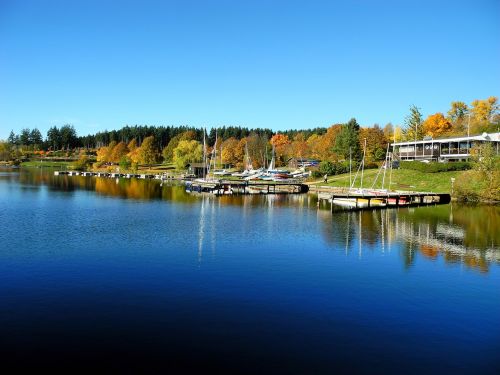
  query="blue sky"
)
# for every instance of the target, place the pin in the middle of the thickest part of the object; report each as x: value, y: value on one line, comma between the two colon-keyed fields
x: 277, y: 64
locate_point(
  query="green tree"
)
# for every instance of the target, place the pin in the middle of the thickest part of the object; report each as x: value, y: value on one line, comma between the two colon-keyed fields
x: 24, y: 138
x: 68, y: 136
x: 125, y: 163
x: 413, y: 129
x: 187, y: 152
x: 54, y: 138
x: 347, y: 141
x: 13, y: 138
x: 36, y: 137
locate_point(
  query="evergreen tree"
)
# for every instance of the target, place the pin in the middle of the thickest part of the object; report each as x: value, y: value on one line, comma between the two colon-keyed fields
x: 13, y: 138
x: 413, y: 125
x: 54, y: 138
x: 36, y: 137
x: 347, y: 141
x: 24, y: 138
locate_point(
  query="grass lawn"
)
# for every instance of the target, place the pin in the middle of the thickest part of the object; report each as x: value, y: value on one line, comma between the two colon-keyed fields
x: 402, y: 179
x: 46, y: 164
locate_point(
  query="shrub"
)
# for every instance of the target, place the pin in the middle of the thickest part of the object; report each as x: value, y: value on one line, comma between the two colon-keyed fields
x: 326, y: 167
x: 435, y: 167
x: 125, y: 163
x: 81, y: 164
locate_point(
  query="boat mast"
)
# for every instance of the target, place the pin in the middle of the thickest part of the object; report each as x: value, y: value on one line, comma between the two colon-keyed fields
x: 385, y: 169
x: 350, y: 166
x: 204, y: 154
x: 363, y: 164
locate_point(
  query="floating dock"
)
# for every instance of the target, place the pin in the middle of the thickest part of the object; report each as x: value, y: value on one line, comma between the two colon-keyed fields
x: 222, y: 187
x: 372, y: 199
x: 163, y: 176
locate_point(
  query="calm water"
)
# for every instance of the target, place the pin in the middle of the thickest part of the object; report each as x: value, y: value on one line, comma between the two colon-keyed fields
x: 131, y: 275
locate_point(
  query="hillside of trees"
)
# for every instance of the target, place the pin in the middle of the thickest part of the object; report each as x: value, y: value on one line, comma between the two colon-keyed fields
x: 134, y: 145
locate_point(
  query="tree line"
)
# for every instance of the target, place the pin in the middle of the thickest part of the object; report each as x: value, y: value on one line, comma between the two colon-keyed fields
x: 143, y: 144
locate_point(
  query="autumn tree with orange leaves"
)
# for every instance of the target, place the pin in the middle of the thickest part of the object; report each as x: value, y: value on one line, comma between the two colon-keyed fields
x: 280, y: 143
x: 436, y: 125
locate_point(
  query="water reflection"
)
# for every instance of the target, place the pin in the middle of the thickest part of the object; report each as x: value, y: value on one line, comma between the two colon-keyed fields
x: 455, y: 233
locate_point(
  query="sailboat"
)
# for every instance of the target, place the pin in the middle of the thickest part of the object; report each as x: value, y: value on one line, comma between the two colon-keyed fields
x: 355, y: 202
x: 275, y: 174
x: 206, y: 169
x: 220, y: 172
x: 248, y: 172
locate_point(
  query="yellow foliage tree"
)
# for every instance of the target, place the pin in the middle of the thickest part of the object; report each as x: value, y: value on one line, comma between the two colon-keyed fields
x: 299, y: 146
x: 312, y: 145
x: 482, y: 110
x: 398, y: 134
x: 147, y: 152
x: 187, y: 152
x: 231, y: 151
x: 132, y: 145
x: 101, y: 154
x: 118, y: 152
x: 104, y: 153
x: 437, y: 125
x: 457, y: 115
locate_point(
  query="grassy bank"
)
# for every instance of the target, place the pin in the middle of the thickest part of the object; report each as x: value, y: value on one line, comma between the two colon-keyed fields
x: 46, y: 164
x: 402, y: 179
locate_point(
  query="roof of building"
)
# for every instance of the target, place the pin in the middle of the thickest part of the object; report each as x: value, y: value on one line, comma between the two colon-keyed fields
x: 493, y: 137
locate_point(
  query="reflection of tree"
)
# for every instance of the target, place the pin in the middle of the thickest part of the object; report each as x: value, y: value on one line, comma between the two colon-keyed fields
x: 408, y: 254
x: 456, y: 233
x: 339, y: 228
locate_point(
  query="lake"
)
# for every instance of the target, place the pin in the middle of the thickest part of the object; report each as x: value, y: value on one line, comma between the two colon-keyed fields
x: 138, y: 276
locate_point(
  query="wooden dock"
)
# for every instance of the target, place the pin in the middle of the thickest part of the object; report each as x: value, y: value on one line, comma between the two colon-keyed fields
x: 144, y: 176
x: 222, y: 187
x: 372, y: 199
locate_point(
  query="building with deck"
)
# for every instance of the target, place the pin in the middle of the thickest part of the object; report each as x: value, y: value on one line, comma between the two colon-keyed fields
x: 443, y: 149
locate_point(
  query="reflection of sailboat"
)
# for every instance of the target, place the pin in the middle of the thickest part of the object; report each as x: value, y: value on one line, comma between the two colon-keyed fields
x: 201, y: 230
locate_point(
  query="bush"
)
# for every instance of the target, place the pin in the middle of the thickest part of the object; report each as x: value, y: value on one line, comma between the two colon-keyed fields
x: 435, y: 167
x: 330, y: 168
x: 81, y: 164
x: 125, y: 163
x: 326, y: 167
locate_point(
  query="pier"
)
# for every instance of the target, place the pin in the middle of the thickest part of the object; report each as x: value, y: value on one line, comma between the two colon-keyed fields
x: 221, y: 187
x: 144, y: 176
x: 372, y: 199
